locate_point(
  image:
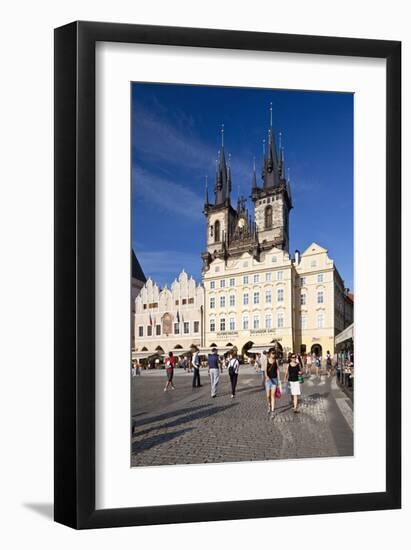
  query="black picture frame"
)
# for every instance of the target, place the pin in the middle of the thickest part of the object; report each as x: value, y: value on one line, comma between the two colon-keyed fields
x: 74, y: 426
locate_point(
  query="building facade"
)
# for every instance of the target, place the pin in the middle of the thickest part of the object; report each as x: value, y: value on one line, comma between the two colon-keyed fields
x: 253, y: 292
x: 256, y: 294
x: 169, y: 319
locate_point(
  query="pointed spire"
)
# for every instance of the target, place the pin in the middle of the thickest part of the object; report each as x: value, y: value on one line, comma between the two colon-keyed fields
x: 254, y: 180
x: 223, y: 175
x: 270, y: 173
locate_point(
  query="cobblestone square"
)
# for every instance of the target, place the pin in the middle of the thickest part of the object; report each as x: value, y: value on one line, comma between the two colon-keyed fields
x: 187, y: 426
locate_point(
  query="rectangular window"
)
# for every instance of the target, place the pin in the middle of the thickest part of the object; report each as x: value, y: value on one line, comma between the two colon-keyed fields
x: 320, y: 278
x: 212, y: 325
x: 303, y: 322
x: 256, y: 322
x: 176, y: 328
x: 280, y: 295
x: 191, y: 300
x: 212, y: 285
x: 232, y: 323
x: 158, y: 330
x: 245, y: 280
x: 245, y: 323
x: 145, y: 306
x: 184, y: 301
x: 212, y: 303
x: 303, y: 281
x: 257, y: 278
x: 303, y: 299
x: 177, y: 302
x: 186, y: 327
x: 196, y: 326
x: 245, y: 299
x: 222, y: 325
x: 268, y: 277
x: 141, y: 331
x: 256, y: 298
x: 274, y: 259
x: 222, y: 283
x: 232, y: 300
x: 268, y: 296
x: 280, y: 275
x: 280, y: 320
x: 320, y: 297
x: 313, y: 263
x: 268, y: 321
x: 320, y: 321
x: 222, y: 301
x: 149, y: 330
x: 232, y: 282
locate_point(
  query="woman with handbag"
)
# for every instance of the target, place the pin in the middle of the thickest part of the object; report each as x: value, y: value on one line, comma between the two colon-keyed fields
x: 233, y: 368
x: 170, y: 371
x: 272, y: 376
x: 292, y: 374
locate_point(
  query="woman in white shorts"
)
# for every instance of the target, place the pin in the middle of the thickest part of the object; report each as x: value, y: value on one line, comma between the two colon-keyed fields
x: 291, y: 374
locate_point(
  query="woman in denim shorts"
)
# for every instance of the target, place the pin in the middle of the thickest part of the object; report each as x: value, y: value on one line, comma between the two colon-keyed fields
x: 271, y: 379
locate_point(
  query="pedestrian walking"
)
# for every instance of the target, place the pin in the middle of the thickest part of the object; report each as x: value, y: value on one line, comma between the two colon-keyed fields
x: 233, y: 369
x: 133, y: 368
x: 271, y: 379
x: 263, y: 363
x: 196, y: 368
x: 170, y: 361
x: 291, y: 374
x: 214, y: 371
x: 328, y: 363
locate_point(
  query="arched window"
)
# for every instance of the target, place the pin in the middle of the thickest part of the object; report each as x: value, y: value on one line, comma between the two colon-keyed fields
x: 217, y: 232
x: 268, y: 217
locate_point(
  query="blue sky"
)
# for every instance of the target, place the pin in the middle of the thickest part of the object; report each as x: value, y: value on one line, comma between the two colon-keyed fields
x: 175, y: 139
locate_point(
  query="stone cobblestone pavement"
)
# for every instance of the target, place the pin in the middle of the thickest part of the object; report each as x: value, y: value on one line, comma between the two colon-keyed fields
x: 187, y: 426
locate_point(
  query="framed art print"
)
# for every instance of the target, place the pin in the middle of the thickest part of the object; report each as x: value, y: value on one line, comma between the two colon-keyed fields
x: 227, y: 275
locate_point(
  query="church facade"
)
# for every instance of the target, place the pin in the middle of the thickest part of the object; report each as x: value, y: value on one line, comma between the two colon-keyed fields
x: 256, y: 293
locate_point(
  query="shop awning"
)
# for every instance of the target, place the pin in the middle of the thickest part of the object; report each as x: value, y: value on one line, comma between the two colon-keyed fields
x: 346, y: 334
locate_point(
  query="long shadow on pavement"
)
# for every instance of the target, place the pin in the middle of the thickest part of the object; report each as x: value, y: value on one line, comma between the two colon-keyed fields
x: 165, y: 415
x: 150, y: 442
x: 185, y: 419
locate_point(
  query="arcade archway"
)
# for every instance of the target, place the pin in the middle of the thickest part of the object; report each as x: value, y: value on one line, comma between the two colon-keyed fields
x: 317, y: 350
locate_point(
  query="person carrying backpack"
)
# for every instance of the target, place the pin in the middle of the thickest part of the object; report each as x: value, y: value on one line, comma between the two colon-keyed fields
x: 233, y: 369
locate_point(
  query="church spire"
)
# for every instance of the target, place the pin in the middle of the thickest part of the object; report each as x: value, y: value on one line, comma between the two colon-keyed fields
x: 223, y: 175
x: 254, y: 180
x: 270, y: 173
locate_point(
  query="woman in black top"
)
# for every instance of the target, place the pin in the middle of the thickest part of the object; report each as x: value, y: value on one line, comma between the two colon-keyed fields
x: 291, y: 374
x: 272, y: 375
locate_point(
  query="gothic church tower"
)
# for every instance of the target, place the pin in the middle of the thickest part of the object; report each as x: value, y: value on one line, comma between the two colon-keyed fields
x: 272, y: 201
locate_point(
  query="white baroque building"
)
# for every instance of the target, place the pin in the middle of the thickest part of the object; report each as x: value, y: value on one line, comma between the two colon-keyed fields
x: 169, y: 319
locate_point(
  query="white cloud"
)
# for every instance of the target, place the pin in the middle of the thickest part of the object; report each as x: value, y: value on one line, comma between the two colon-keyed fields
x: 167, y: 195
